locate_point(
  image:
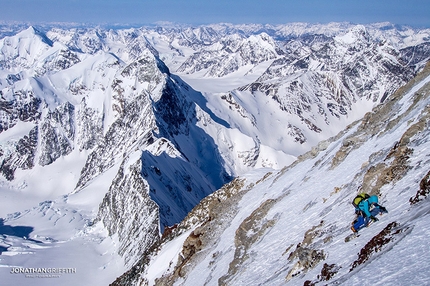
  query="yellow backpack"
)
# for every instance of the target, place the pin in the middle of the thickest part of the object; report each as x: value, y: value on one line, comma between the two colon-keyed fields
x: 360, y: 197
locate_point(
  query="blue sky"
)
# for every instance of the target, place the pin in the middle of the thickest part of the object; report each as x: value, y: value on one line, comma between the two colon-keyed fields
x: 411, y: 12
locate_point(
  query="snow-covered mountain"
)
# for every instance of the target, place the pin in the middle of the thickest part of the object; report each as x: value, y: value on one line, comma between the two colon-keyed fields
x: 108, y: 137
x: 293, y: 226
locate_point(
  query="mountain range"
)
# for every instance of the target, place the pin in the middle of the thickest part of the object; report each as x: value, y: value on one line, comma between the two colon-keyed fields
x: 112, y: 137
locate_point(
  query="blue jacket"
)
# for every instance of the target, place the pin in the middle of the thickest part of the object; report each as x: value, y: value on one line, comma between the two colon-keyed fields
x: 364, y: 205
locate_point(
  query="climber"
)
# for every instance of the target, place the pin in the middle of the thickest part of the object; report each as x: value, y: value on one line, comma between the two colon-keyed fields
x: 366, y: 209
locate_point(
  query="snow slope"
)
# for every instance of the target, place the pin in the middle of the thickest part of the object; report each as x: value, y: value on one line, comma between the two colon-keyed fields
x: 293, y: 226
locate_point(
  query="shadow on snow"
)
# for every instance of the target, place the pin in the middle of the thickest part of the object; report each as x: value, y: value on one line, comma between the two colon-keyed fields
x: 17, y: 231
x: 177, y: 184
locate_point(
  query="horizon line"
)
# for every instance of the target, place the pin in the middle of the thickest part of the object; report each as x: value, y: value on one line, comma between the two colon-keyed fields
x: 183, y: 24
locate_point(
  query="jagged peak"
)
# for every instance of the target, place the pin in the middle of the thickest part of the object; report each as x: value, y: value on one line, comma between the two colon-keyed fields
x: 32, y: 32
x: 357, y: 33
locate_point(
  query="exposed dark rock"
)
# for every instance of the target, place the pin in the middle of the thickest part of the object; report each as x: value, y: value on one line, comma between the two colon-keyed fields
x: 172, y: 109
x: 328, y: 271
x: 424, y: 190
x: 23, y: 157
x: 377, y: 243
x: 57, y: 134
x: 24, y: 106
x: 26, y: 148
x: 137, y: 230
x: 65, y: 60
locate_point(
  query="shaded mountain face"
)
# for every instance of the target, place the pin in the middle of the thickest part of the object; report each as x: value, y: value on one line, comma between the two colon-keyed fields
x: 108, y: 111
x: 127, y: 105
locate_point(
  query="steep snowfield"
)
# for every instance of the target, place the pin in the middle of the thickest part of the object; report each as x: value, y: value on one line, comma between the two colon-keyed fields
x: 293, y: 226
